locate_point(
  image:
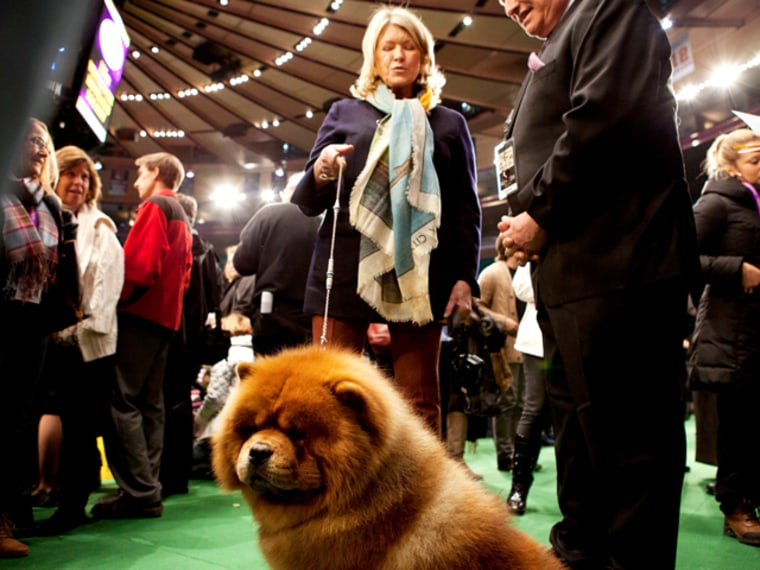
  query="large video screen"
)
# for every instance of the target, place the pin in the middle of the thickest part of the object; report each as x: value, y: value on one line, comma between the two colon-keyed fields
x: 104, y: 69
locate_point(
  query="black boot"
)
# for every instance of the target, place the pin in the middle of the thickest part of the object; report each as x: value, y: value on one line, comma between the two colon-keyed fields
x: 523, y: 464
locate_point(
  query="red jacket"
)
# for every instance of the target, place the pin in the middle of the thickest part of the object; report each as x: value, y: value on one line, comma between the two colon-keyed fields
x: 158, y: 258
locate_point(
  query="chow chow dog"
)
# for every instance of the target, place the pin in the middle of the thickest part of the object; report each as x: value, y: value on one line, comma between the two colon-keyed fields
x: 341, y: 474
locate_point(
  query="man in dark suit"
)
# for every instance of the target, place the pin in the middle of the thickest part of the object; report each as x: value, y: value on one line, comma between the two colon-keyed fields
x: 601, y: 200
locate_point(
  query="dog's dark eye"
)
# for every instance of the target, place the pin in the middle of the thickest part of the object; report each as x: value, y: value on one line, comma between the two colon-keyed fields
x: 296, y: 435
x: 247, y: 431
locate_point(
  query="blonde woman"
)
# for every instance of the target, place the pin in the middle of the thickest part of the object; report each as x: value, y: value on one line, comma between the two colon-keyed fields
x: 408, y: 230
x: 725, y: 355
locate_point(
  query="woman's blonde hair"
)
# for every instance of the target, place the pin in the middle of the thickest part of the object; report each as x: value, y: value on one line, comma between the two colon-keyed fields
x: 430, y: 75
x: 725, y: 150
x: 71, y: 156
x: 49, y: 174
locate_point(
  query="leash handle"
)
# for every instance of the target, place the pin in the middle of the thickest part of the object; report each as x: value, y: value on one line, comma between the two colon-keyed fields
x: 331, y: 261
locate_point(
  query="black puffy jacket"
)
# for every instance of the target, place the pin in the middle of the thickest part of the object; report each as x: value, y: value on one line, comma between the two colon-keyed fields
x: 726, y: 341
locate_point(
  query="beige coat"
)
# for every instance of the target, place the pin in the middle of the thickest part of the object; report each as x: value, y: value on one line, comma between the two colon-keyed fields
x: 497, y: 297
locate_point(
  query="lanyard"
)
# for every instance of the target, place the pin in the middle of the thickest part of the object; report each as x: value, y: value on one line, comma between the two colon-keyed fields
x: 751, y: 188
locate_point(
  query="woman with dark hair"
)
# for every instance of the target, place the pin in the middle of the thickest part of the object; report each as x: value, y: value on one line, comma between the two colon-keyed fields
x: 407, y: 238
x: 85, y: 350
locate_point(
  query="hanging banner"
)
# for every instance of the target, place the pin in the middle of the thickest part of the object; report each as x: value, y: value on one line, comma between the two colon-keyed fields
x: 681, y: 58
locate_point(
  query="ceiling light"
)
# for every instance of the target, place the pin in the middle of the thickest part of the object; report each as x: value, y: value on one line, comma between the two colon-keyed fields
x: 226, y: 197
x: 320, y: 27
x: 666, y: 23
x: 224, y: 2
x: 190, y: 174
x: 267, y: 195
x: 135, y: 54
x: 154, y: 49
x: 249, y: 165
x: 309, y: 114
x: 726, y: 75
x: 467, y: 21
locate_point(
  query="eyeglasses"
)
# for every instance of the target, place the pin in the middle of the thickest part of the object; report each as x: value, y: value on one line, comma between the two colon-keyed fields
x: 39, y: 142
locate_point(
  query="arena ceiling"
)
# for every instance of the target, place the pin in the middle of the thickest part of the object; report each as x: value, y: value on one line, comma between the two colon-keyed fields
x: 271, y: 104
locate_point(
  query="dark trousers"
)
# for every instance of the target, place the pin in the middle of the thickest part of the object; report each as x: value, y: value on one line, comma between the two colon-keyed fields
x: 535, y: 411
x: 183, y: 364
x: 83, y: 400
x: 22, y: 354
x: 738, y: 474
x: 135, y: 437
x: 615, y: 386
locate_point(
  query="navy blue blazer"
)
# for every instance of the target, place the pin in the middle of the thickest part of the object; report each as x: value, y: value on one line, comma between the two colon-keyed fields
x: 351, y: 121
x: 598, y: 161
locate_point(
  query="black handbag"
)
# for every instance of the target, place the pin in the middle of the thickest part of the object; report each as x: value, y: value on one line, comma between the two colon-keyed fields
x: 475, y: 339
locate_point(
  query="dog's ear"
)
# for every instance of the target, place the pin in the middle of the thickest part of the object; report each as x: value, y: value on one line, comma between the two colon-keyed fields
x: 361, y: 401
x: 245, y: 370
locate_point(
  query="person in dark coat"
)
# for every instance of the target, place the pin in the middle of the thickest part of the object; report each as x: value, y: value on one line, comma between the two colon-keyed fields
x: 275, y: 247
x: 601, y: 201
x: 407, y: 238
x: 725, y: 353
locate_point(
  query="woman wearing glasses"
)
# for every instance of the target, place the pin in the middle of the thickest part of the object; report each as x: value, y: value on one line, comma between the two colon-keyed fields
x: 31, y: 234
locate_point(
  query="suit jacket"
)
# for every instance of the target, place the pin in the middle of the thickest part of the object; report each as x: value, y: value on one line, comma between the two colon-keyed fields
x: 598, y: 161
x: 457, y: 255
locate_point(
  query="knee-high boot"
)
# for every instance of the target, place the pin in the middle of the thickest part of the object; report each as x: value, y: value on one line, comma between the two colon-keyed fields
x: 456, y: 437
x: 523, y: 464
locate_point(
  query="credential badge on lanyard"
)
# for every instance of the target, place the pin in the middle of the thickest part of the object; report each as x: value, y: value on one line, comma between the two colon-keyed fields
x: 506, y: 167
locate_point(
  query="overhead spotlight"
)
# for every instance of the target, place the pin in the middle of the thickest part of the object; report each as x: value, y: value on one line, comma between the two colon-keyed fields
x: 280, y: 172
x: 226, y: 197
x: 467, y: 21
x: 224, y: 2
x: 726, y: 75
x: 276, y: 123
x: 666, y: 23
x: 268, y: 195
x: 309, y: 114
x: 190, y: 174
x: 98, y: 165
x: 154, y: 49
x: 135, y: 54
x: 334, y: 6
x: 257, y: 72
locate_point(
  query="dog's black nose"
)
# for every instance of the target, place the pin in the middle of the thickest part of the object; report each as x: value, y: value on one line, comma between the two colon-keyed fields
x: 259, y: 453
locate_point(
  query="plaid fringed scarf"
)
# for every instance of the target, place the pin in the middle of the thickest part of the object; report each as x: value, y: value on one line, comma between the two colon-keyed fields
x: 31, y: 250
x: 396, y: 207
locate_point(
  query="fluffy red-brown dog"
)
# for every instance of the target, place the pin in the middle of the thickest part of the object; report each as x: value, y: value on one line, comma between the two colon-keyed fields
x: 341, y: 474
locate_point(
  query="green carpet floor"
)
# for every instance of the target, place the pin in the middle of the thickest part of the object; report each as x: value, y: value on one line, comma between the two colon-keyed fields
x: 207, y: 529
